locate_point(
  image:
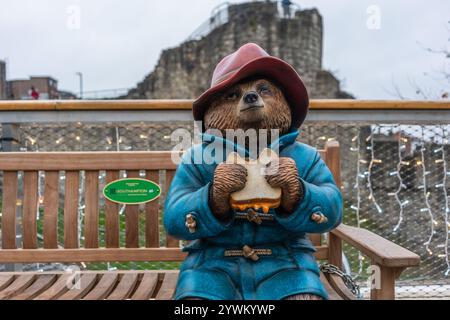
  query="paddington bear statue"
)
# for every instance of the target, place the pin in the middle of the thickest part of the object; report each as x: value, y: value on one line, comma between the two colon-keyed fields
x: 250, y: 254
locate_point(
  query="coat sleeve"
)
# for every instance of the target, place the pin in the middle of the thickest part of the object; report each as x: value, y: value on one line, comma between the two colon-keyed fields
x: 321, y: 196
x: 189, y: 194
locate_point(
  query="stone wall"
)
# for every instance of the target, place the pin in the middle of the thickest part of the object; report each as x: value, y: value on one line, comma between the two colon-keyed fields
x: 185, y: 71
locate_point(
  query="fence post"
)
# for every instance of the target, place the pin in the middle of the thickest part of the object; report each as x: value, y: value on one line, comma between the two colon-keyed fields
x: 10, y: 142
x: 10, y: 137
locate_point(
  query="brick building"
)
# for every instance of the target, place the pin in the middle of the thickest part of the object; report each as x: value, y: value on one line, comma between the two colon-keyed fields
x: 3, y: 93
x: 45, y: 85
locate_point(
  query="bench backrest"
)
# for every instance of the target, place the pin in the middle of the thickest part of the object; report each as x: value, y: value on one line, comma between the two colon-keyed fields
x: 103, y: 234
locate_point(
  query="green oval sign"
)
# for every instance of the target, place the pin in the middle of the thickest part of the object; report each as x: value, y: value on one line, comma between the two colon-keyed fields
x: 132, y: 191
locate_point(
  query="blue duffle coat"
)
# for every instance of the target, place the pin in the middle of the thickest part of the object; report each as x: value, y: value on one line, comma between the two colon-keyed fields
x: 291, y: 269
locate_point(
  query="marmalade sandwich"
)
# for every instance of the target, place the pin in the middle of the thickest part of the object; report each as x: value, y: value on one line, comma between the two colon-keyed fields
x: 257, y: 193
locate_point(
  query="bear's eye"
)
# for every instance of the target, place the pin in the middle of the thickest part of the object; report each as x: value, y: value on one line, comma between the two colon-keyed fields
x: 264, y: 89
x: 233, y: 95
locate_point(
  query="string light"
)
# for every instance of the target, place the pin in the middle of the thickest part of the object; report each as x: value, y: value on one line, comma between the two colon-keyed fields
x: 32, y: 140
x: 401, y: 185
x: 118, y: 142
x: 118, y: 139
x: 81, y: 205
x: 373, y: 160
x: 319, y: 141
x: 40, y: 196
x: 426, y: 194
x: 39, y: 185
x: 357, y: 208
x: 447, y: 205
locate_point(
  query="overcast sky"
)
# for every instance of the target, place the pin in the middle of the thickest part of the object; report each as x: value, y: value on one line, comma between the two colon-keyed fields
x: 118, y: 42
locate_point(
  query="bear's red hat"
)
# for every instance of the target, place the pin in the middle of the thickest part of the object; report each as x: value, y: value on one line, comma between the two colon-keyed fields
x: 251, y: 60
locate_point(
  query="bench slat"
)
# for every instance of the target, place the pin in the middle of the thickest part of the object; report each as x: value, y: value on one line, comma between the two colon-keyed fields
x: 132, y: 220
x: 30, y: 206
x: 152, y: 215
x: 72, y: 161
x: 42, y: 283
x: 91, y: 210
x: 71, y: 210
x: 9, y: 210
x: 112, y: 215
x: 120, y: 285
x: 20, y: 284
x: 103, y: 287
x: 168, y: 286
x: 86, y: 282
x: 5, y: 280
x: 106, y: 255
x: 57, y: 289
x: 51, y: 206
x: 146, y: 287
x: 125, y: 287
x: 170, y: 241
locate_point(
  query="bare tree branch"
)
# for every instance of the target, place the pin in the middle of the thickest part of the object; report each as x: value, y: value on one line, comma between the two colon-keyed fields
x: 397, y: 92
x: 442, y: 80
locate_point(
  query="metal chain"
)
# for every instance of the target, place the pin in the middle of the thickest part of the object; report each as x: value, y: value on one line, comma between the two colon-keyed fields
x: 348, y: 281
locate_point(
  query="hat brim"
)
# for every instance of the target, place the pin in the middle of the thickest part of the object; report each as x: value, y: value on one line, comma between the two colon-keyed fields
x: 273, y: 68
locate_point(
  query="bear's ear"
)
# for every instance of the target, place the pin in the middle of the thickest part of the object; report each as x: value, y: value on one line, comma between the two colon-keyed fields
x: 234, y: 158
x: 267, y: 156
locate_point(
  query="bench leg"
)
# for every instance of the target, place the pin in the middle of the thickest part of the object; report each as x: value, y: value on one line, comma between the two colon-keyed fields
x: 383, y: 282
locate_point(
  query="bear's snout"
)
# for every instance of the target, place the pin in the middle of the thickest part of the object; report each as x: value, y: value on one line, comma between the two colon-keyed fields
x: 251, y: 100
x: 251, y: 97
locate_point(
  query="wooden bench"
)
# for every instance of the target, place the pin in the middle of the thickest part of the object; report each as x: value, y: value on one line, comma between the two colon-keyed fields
x: 139, y: 245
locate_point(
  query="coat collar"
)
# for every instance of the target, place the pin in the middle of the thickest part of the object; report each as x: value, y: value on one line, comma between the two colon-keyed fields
x: 278, y: 145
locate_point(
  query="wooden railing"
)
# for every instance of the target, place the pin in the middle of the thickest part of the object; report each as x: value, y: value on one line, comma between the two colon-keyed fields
x: 114, y: 105
x: 100, y: 111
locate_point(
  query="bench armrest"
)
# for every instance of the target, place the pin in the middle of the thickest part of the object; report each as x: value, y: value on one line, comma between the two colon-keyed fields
x: 380, y: 250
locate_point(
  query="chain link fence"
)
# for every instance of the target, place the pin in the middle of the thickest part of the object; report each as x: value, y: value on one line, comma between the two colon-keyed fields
x: 396, y: 179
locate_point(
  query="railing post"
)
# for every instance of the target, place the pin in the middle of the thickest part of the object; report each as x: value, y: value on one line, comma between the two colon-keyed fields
x: 10, y: 137
x: 10, y: 142
x: 335, y: 250
x: 333, y: 160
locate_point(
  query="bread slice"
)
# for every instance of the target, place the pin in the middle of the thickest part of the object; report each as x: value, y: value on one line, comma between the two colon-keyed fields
x: 257, y: 193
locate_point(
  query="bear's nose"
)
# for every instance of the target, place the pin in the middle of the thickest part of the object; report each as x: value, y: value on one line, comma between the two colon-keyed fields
x: 251, y: 97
